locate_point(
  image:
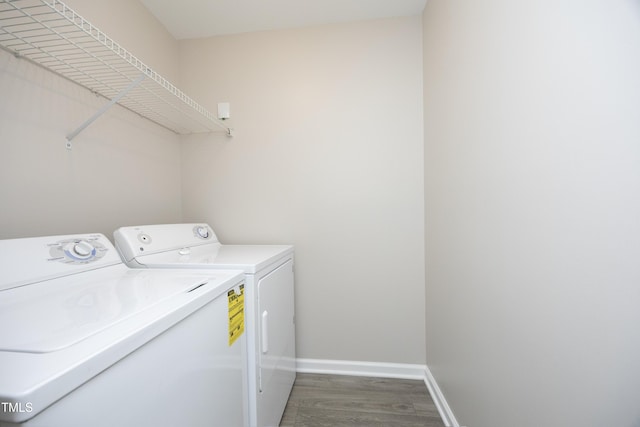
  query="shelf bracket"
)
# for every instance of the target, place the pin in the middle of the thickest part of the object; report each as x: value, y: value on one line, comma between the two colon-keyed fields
x: 104, y: 109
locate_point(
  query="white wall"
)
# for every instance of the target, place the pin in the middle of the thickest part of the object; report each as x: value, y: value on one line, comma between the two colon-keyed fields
x: 532, y: 160
x: 122, y: 169
x: 327, y: 156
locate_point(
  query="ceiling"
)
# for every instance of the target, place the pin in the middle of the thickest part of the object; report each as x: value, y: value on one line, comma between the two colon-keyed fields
x: 187, y: 19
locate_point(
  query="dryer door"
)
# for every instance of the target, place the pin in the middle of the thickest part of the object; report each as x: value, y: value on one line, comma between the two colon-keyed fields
x: 276, y: 331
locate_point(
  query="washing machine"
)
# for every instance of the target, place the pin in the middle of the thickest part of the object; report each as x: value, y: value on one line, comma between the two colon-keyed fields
x: 269, y: 278
x: 87, y: 341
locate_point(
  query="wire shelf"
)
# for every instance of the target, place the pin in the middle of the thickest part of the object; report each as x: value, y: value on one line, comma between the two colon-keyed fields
x: 52, y: 35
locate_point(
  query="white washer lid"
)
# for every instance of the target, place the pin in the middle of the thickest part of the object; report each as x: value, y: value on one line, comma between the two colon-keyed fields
x: 55, y: 314
x: 129, y: 308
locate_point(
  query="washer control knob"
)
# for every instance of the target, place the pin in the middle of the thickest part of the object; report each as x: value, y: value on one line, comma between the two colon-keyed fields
x: 77, y: 250
x: 83, y: 249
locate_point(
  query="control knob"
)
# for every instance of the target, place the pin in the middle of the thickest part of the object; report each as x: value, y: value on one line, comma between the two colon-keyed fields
x: 202, y: 232
x: 80, y: 249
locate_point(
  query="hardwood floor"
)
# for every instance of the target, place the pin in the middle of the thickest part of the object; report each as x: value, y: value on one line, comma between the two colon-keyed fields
x: 336, y: 400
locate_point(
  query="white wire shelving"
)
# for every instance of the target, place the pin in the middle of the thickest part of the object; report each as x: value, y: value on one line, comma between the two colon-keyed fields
x: 49, y: 33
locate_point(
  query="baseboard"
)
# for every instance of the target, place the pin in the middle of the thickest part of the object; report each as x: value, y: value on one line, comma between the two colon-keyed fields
x: 445, y: 411
x: 363, y: 369
x: 382, y: 370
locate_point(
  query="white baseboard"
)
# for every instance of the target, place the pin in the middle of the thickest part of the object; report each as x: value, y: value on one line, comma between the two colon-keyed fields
x: 362, y: 369
x: 382, y: 370
x: 445, y: 411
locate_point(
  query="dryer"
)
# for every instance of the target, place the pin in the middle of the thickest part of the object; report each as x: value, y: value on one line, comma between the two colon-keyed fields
x: 87, y: 341
x: 270, y: 315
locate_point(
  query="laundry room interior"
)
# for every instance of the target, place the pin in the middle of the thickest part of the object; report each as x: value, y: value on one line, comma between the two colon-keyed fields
x: 460, y: 184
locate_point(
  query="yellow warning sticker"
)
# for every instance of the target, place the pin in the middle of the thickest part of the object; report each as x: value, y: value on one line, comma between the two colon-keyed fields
x: 236, y: 314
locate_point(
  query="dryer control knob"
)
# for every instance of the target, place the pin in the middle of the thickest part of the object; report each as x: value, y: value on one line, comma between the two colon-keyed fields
x: 202, y: 232
x: 144, y: 238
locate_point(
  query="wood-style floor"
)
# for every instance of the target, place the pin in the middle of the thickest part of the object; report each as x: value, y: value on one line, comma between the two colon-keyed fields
x: 335, y: 400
